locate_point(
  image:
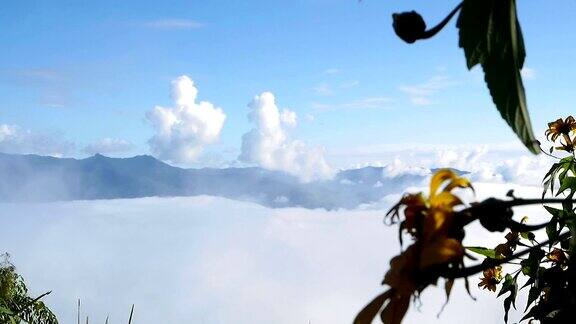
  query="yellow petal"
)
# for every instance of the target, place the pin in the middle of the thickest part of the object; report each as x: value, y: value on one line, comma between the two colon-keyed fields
x: 459, y: 183
x: 445, y: 200
x: 369, y: 312
x: 441, y: 251
x: 436, y: 222
x: 394, y: 312
x: 439, y: 178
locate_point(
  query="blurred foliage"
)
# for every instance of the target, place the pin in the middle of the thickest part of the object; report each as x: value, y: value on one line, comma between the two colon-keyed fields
x: 491, y: 36
x: 436, y: 226
x: 15, y: 304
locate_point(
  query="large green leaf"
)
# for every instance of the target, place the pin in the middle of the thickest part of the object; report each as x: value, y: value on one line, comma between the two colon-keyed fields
x: 510, y: 285
x: 491, y: 36
x: 489, y: 253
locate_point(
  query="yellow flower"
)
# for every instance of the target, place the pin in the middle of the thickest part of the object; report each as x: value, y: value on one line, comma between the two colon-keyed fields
x: 442, y: 201
x: 437, y: 245
x: 414, y: 212
x: 558, y: 257
x: 432, y: 215
x: 403, y: 274
x: 441, y: 251
x: 430, y: 221
x: 562, y: 127
x: 503, y: 250
x: 491, y: 278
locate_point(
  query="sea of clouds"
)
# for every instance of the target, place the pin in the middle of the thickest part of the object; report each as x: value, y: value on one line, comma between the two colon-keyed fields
x: 214, y: 260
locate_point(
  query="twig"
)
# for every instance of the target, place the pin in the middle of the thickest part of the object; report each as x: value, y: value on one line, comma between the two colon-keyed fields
x: 32, y: 302
x: 490, y: 263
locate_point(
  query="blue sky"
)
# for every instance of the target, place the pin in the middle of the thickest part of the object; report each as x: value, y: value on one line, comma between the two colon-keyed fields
x: 83, y: 71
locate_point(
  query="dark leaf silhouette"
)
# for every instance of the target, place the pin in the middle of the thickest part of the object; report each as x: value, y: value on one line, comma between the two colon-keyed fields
x: 490, y: 35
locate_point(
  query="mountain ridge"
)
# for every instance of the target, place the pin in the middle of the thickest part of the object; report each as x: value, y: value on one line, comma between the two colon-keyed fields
x: 35, y: 178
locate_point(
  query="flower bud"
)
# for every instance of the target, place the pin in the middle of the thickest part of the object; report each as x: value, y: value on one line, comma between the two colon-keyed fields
x: 409, y: 26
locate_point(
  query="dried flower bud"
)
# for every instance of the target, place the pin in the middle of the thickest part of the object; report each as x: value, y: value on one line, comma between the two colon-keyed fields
x: 409, y: 26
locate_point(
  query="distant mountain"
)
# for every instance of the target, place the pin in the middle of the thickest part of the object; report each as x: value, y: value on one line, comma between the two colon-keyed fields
x: 33, y: 178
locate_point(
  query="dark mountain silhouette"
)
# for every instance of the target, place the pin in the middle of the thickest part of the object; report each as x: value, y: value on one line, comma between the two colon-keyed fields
x: 33, y: 178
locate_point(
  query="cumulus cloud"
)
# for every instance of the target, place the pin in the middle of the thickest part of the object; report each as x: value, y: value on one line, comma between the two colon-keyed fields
x: 499, y: 163
x: 268, y: 144
x: 398, y: 168
x: 109, y: 146
x: 289, y: 118
x: 182, y: 131
x: 520, y: 169
x: 14, y: 139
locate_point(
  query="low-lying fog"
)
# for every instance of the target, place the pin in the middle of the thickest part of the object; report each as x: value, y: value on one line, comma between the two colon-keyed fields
x: 214, y: 260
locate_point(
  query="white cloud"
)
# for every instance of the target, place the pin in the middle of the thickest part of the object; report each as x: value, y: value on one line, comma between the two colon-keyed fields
x: 349, y: 84
x: 289, y: 118
x: 172, y: 24
x: 528, y: 73
x: 183, y: 130
x: 368, y: 103
x: 420, y: 95
x: 519, y: 169
x: 398, y: 167
x: 16, y: 140
x: 40, y: 75
x: 268, y: 144
x: 53, y: 86
x: 211, y: 260
x: 320, y: 106
x: 323, y: 90
x: 363, y: 103
x: 109, y: 146
x: 501, y: 163
x: 332, y: 71
x: 421, y: 101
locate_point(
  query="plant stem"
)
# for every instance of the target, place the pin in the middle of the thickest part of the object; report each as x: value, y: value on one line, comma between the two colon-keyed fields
x: 490, y: 263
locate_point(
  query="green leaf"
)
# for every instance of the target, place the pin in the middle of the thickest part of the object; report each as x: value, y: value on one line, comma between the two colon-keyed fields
x: 510, y: 285
x: 555, y: 212
x: 531, y: 265
x: 570, y: 220
x: 549, y: 179
x: 528, y: 236
x: 567, y: 183
x: 4, y: 310
x: 489, y: 253
x: 552, y: 231
x: 490, y: 35
x: 533, y: 294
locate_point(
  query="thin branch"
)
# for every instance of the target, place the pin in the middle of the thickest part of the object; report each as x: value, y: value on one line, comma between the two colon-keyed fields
x: 470, y: 214
x: 433, y: 31
x: 519, y: 227
x: 32, y: 302
x: 490, y: 263
x: 550, y: 155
